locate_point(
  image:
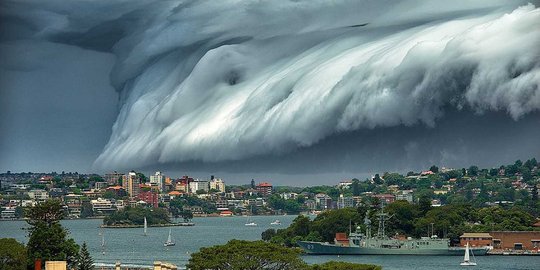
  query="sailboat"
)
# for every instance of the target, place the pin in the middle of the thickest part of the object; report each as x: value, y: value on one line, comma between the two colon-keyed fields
x: 466, y: 259
x: 102, y: 241
x: 169, y: 240
x: 250, y: 223
x: 145, y: 227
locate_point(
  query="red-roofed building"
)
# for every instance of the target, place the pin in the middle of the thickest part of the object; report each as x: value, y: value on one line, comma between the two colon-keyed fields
x: 226, y: 213
x: 427, y: 173
x: 149, y: 197
x: 118, y: 191
x: 174, y: 194
x: 264, y: 188
x: 341, y: 239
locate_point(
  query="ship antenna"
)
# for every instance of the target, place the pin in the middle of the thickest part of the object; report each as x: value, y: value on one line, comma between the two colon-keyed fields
x: 367, y: 222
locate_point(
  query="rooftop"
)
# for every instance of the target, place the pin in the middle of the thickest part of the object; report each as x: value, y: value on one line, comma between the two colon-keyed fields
x: 477, y: 235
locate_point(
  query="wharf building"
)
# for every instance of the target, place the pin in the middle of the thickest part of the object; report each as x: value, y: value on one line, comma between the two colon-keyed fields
x: 514, y: 241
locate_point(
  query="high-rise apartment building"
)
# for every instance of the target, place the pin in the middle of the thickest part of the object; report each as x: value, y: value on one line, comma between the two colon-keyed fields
x: 158, y: 179
x: 131, y: 182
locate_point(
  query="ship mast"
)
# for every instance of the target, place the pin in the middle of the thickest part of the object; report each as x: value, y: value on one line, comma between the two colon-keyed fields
x: 383, y: 217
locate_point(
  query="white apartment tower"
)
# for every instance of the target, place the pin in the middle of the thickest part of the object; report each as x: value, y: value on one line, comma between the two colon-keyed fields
x: 217, y: 184
x: 158, y: 179
x: 130, y: 182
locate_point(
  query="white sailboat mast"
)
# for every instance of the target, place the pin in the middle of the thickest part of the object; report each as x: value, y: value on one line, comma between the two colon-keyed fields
x: 466, y: 258
x: 145, y: 226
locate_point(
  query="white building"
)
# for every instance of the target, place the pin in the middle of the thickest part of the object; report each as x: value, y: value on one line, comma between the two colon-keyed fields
x: 323, y: 201
x: 100, y: 185
x: 345, y: 202
x: 217, y: 184
x: 8, y: 213
x: 158, y: 179
x: 102, y: 205
x: 38, y: 195
x: 344, y: 184
x: 288, y: 195
x: 198, y: 185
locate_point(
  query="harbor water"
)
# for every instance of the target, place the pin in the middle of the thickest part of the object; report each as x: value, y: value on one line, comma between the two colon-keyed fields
x: 130, y: 246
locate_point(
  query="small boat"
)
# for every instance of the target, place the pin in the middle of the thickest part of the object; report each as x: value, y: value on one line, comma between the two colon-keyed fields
x: 466, y: 259
x: 169, y: 242
x: 145, y: 227
x: 250, y: 223
x: 276, y: 222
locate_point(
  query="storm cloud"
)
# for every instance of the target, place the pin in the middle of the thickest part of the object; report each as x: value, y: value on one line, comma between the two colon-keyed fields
x: 223, y: 82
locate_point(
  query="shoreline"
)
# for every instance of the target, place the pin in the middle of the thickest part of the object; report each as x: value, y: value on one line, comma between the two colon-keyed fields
x: 127, y: 226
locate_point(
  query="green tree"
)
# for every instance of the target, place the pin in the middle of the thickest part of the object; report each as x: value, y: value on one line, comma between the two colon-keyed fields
x: 239, y: 255
x: 19, y: 212
x: 355, y: 187
x: 142, y: 177
x: 434, y: 169
x: 47, y: 238
x: 85, y: 261
x: 404, y: 216
x: 186, y: 215
x: 12, y: 254
x: 136, y: 215
x: 472, y: 171
x: 424, y: 204
x: 86, y: 209
x: 268, y: 234
x: 331, y: 222
x: 393, y: 179
x: 377, y: 179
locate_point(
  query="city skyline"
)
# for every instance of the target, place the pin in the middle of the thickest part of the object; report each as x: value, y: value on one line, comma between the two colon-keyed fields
x: 352, y: 89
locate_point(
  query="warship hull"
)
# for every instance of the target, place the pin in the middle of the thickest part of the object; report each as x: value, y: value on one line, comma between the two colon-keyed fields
x: 319, y: 248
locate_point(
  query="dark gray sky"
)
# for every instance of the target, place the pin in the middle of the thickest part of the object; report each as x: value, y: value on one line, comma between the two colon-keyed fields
x: 237, y: 91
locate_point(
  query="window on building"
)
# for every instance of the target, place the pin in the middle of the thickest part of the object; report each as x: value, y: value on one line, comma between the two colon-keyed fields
x: 497, y: 243
x: 518, y: 246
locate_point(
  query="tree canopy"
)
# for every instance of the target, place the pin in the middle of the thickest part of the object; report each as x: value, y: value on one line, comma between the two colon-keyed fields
x: 259, y: 255
x: 136, y: 215
x: 240, y: 255
x: 12, y: 254
x: 48, y: 240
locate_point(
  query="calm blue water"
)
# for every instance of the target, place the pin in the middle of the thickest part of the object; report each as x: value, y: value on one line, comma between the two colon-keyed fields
x: 130, y: 246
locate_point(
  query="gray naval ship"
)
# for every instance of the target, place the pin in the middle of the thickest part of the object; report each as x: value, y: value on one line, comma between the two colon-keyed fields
x: 366, y: 244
